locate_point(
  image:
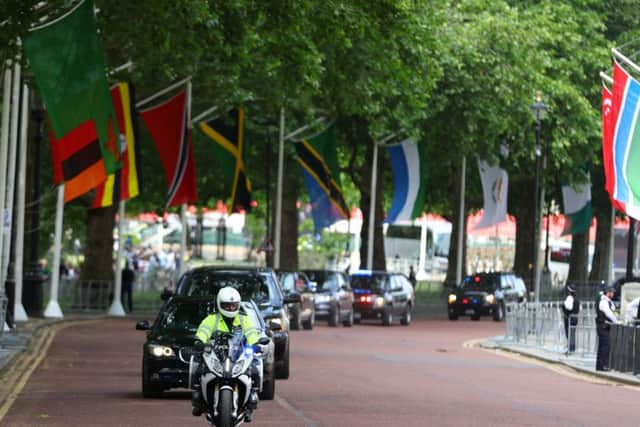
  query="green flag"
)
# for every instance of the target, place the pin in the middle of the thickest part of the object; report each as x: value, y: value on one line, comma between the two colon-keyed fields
x: 68, y: 63
x: 577, y: 206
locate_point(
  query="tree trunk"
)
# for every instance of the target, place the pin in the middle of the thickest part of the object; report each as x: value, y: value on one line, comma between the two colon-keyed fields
x: 289, y: 230
x: 602, y: 211
x: 454, y: 191
x: 521, y: 201
x: 98, y: 250
x: 579, y: 257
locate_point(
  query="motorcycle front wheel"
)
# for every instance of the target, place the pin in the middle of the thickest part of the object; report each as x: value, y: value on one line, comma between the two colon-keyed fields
x: 225, y: 408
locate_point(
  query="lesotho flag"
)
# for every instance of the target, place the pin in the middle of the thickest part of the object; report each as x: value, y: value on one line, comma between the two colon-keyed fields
x: 407, y: 167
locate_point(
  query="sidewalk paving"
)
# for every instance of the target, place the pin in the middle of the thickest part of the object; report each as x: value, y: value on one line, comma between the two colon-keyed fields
x: 576, y: 361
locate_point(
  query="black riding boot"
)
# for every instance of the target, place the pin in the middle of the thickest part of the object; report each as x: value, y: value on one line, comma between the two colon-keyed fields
x: 197, y: 403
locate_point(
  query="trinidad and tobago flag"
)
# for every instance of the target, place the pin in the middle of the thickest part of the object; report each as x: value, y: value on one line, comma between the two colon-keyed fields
x: 169, y: 129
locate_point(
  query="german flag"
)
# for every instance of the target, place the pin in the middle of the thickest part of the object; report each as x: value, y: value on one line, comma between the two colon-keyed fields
x: 318, y: 160
x: 228, y: 134
x: 123, y: 185
x: 77, y: 160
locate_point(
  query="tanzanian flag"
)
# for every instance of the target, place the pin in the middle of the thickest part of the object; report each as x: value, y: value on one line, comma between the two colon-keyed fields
x: 123, y: 185
x: 68, y: 64
x: 318, y: 160
x: 228, y: 135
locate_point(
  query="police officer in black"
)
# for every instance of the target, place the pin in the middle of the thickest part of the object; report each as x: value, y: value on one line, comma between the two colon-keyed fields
x: 570, y: 309
x: 605, y: 317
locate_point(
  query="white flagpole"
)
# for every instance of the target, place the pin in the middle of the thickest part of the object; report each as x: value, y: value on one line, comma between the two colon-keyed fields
x: 461, y: 218
x: 163, y: 91
x: 183, y: 208
x: 612, y: 236
x: 372, y: 207
x: 4, y: 144
x: 19, y: 313
x: 11, y: 171
x: 116, y: 309
x: 4, y: 147
x: 626, y: 60
x: 421, y: 274
x: 278, y: 218
x: 53, y: 307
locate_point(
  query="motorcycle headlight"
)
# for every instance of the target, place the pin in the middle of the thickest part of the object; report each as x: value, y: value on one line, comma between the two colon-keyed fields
x: 490, y: 299
x: 241, y: 365
x: 213, y: 363
x: 161, y: 351
x: 452, y: 298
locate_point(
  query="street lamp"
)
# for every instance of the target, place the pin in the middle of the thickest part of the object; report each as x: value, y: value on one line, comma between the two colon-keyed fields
x: 538, y: 109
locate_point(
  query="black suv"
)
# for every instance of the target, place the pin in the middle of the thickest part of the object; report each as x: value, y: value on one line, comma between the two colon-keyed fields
x: 382, y: 295
x: 333, y: 296
x: 484, y: 294
x: 257, y: 284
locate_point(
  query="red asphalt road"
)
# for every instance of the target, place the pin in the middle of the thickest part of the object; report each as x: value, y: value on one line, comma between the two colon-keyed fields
x: 367, y: 375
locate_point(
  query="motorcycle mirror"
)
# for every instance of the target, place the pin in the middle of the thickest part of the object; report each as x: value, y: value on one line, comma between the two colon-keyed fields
x: 143, y: 325
x: 264, y: 341
x: 274, y: 326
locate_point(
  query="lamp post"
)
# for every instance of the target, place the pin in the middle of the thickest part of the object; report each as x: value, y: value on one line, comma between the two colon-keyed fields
x: 538, y: 109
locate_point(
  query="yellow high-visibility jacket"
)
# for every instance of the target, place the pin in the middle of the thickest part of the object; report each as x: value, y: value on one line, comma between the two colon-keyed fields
x: 214, y: 322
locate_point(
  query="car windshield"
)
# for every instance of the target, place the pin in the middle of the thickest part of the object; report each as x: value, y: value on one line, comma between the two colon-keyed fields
x: 325, y: 280
x: 185, y: 315
x: 481, y: 283
x: 250, y: 285
x: 374, y: 282
x: 287, y: 281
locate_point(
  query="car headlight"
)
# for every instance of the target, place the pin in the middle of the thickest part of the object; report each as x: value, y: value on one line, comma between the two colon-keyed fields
x: 161, y: 351
x: 452, y: 298
x: 323, y: 298
x: 379, y: 302
x: 490, y: 299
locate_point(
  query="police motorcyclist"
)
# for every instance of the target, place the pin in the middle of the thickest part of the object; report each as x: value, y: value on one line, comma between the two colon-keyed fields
x: 227, y: 318
x: 570, y: 309
x: 605, y: 317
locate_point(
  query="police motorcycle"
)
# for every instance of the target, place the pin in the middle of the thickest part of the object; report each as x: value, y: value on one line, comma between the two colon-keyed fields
x: 222, y: 371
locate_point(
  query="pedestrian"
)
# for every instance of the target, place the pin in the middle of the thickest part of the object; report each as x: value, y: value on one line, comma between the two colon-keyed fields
x: 128, y: 277
x: 412, y: 276
x: 604, y: 318
x: 632, y: 313
x: 570, y: 309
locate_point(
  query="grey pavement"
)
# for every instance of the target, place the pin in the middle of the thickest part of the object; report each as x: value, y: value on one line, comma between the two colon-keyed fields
x: 577, y: 361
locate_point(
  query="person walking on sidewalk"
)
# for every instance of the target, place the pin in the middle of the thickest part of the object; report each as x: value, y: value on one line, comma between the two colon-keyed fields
x: 605, y: 317
x: 570, y: 309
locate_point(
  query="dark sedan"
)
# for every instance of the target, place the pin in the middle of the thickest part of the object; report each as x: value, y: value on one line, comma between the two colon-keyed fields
x: 333, y: 296
x: 485, y: 294
x: 175, y: 327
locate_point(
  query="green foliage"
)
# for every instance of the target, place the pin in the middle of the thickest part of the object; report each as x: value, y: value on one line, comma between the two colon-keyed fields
x: 316, y: 251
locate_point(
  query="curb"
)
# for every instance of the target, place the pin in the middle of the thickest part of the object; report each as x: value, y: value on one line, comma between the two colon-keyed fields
x: 616, y: 377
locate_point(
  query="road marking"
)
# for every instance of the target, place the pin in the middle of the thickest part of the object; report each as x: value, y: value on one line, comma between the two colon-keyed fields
x: 558, y: 368
x: 23, y: 366
x: 298, y: 413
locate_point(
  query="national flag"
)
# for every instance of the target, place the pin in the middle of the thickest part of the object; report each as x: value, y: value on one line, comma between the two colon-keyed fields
x: 407, y: 167
x: 68, y: 64
x: 319, y: 163
x: 577, y: 207
x: 169, y: 129
x: 495, y: 187
x: 626, y: 138
x: 77, y: 160
x: 228, y: 136
x: 123, y: 185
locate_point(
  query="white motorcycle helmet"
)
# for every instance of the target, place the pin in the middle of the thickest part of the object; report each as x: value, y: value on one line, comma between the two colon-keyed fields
x: 228, y: 302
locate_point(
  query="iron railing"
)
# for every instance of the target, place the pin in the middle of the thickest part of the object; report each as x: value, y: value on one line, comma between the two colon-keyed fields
x: 542, y: 325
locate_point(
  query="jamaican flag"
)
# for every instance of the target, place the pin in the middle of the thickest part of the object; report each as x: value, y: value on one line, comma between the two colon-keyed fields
x: 228, y: 135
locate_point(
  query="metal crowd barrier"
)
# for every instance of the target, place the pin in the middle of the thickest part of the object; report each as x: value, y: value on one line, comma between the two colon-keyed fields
x: 624, y: 353
x: 542, y: 324
x: 3, y: 312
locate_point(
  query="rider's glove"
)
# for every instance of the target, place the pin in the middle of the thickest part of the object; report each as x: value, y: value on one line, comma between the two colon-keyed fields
x: 259, y: 349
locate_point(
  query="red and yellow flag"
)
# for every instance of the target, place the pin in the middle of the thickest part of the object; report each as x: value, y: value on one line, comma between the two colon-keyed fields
x: 123, y: 185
